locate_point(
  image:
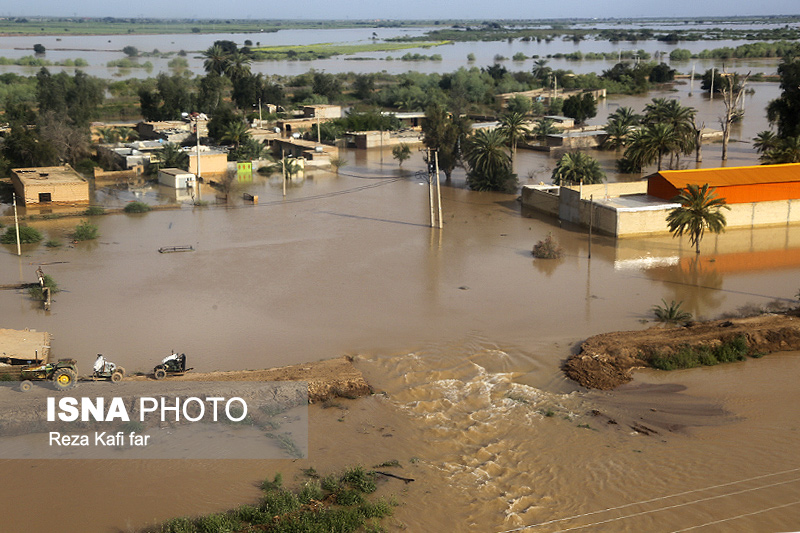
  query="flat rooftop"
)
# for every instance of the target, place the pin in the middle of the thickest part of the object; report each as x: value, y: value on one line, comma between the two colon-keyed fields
x: 636, y: 202
x: 50, y: 175
x: 24, y: 344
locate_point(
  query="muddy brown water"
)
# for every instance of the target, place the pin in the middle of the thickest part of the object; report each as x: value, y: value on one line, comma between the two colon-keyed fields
x: 461, y: 332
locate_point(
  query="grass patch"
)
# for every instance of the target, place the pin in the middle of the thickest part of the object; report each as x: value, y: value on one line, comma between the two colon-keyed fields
x: 691, y: 357
x: 342, y: 507
x: 95, y: 210
x: 85, y: 231
x: 53, y: 243
x: 137, y: 207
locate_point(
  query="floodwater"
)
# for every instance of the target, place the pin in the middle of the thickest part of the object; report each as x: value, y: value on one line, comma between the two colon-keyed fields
x: 99, y: 50
x: 460, y: 330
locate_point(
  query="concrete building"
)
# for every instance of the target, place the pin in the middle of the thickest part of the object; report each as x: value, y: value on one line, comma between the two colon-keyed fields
x: 757, y: 196
x: 315, y: 155
x: 326, y: 111
x: 44, y: 185
x: 173, y: 131
x: 211, y: 161
x: 176, y: 178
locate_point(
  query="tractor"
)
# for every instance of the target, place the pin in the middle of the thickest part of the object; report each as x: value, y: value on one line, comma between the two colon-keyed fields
x: 63, y: 373
x: 104, y: 369
x: 172, y: 364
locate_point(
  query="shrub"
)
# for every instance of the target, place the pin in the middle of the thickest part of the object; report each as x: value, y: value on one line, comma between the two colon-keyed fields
x: 38, y: 294
x: 95, y: 210
x: 548, y: 248
x: 85, y: 231
x: 137, y: 207
x: 53, y: 243
x: 27, y: 235
x: 671, y: 313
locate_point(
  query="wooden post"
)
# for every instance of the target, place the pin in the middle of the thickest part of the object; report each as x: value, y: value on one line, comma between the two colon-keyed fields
x: 16, y: 224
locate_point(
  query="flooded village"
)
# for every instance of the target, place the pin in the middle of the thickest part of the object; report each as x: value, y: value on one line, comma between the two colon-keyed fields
x: 434, y: 342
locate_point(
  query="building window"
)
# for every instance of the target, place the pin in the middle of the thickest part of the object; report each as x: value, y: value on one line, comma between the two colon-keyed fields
x: 44, y: 197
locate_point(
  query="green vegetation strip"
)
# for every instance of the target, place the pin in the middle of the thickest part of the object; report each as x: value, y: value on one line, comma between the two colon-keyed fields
x: 334, y: 503
x: 323, y: 50
x: 730, y: 351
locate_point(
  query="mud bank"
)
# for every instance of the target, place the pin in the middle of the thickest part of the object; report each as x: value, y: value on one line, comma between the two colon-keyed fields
x: 327, y: 379
x: 607, y: 360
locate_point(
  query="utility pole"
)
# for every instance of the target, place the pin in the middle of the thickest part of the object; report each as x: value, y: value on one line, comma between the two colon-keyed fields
x: 197, y: 135
x: 430, y: 185
x: 591, y: 222
x: 691, y: 81
x: 283, y: 171
x: 438, y: 186
x: 319, y: 134
x: 16, y: 224
x: 712, y: 83
x: 260, y: 122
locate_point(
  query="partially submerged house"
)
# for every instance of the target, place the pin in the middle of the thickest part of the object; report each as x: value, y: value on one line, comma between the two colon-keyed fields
x: 765, y: 195
x: 176, y: 178
x: 45, y: 185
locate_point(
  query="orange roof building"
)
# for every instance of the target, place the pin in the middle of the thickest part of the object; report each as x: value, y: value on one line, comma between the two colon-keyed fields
x: 737, y: 185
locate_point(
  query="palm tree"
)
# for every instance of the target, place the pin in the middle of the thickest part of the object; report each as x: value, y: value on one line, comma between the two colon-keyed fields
x: 172, y: 156
x: 671, y: 112
x: 540, y: 69
x: 671, y: 313
x: 237, y: 65
x: 699, y: 210
x: 236, y: 132
x: 577, y: 167
x: 127, y: 134
x: 650, y: 144
x: 217, y: 59
x: 488, y: 161
x: 625, y: 116
x: 765, y: 141
x: 617, y: 135
x: 544, y: 127
x: 785, y: 150
x: 109, y: 134
x: 515, y: 129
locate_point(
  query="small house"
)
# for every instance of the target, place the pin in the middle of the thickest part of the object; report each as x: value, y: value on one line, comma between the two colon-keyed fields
x: 44, y: 185
x: 176, y: 178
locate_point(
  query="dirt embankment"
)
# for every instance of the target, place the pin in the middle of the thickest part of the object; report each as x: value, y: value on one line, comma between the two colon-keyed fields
x: 326, y: 379
x: 606, y: 361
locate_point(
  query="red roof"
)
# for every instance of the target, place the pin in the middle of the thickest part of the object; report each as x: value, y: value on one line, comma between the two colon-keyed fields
x: 727, y: 176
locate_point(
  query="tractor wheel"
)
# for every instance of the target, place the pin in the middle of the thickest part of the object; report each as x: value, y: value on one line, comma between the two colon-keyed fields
x: 65, y: 379
x: 116, y: 377
x: 120, y: 370
x: 160, y: 373
x: 25, y: 386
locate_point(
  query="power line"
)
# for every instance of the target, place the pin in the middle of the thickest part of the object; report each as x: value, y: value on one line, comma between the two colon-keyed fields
x: 738, y: 516
x: 660, y: 498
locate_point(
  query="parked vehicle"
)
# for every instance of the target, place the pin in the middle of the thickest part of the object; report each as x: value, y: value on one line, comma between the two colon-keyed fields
x: 63, y: 373
x: 105, y: 369
x: 172, y: 364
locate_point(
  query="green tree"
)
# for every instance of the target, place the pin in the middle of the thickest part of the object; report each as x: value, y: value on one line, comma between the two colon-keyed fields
x: 577, y: 167
x: 700, y: 209
x: 651, y: 144
x: 784, y: 111
x: 489, y: 163
x: 172, y: 96
x: 401, y: 152
x: 446, y: 133
x: 580, y: 107
x: 765, y: 141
